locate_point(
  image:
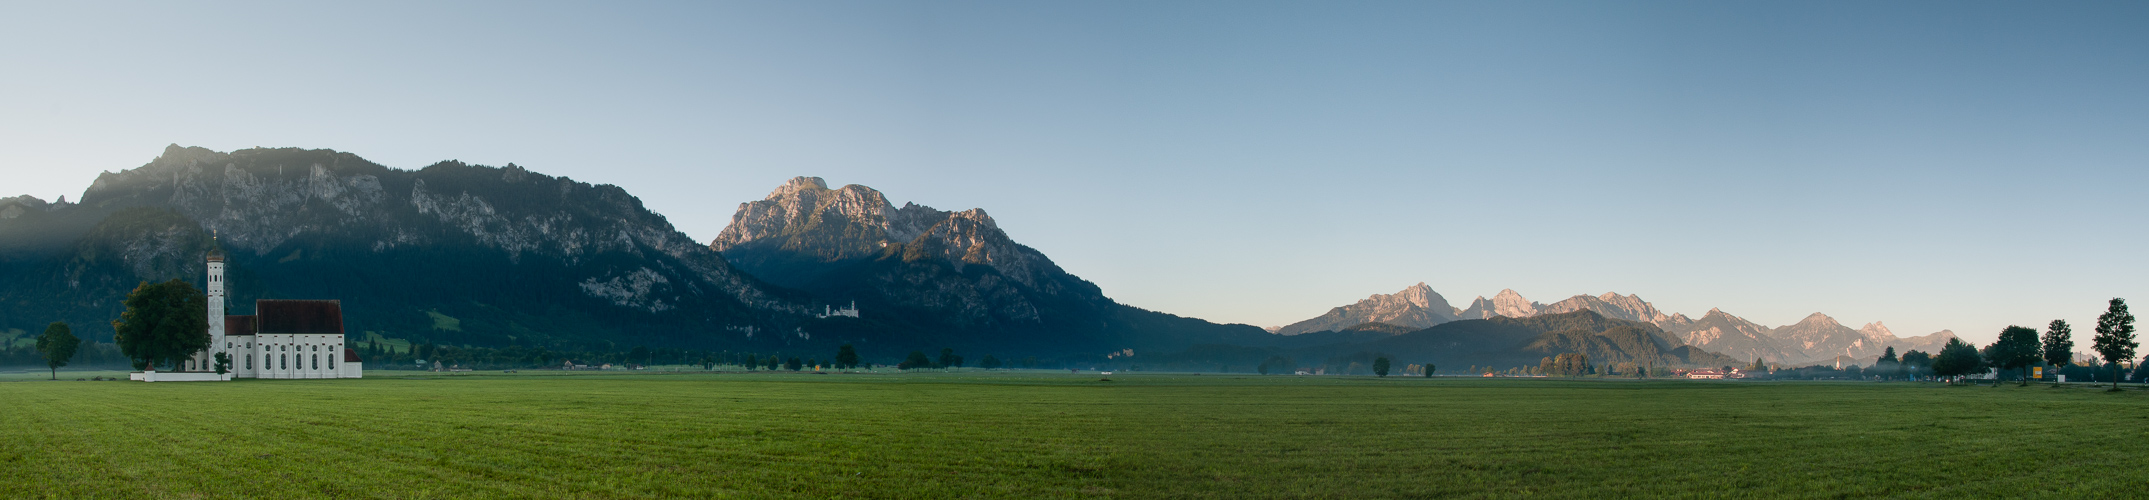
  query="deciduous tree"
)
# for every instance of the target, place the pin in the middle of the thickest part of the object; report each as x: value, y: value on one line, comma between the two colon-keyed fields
x: 2058, y: 346
x: 2115, y: 337
x: 2017, y: 348
x: 915, y: 360
x: 1380, y: 367
x: 164, y: 324
x: 57, y: 345
x: 846, y: 357
x: 1957, y: 359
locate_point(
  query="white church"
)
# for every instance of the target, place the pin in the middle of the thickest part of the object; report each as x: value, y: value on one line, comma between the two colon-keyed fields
x: 283, y: 339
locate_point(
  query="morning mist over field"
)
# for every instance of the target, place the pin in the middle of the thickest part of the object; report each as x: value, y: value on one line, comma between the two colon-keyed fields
x: 1052, y: 249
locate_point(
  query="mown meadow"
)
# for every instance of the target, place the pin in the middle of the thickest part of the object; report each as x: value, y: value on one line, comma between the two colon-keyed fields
x: 1060, y: 435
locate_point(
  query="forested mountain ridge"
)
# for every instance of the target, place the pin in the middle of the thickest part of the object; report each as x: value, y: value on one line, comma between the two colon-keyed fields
x: 954, y: 277
x: 453, y: 252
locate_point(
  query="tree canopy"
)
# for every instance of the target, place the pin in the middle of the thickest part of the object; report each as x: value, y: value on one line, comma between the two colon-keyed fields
x: 846, y: 357
x: 57, y: 345
x: 1380, y: 367
x: 1571, y: 364
x: 2115, y: 337
x: 2059, y: 344
x: 164, y: 324
x: 2017, y: 348
x: 1957, y: 359
x: 1277, y: 364
x: 915, y: 360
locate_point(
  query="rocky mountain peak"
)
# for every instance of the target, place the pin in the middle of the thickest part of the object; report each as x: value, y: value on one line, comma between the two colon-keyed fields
x: 1414, y: 307
x: 1877, y: 331
x: 1610, y: 305
x: 1819, y: 319
x: 805, y: 224
x: 1421, y: 295
x: 1511, y: 304
x: 799, y: 183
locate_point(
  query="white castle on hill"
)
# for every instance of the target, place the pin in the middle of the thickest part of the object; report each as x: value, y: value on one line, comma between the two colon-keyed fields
x: 829, y: 311
x: 283, y: 339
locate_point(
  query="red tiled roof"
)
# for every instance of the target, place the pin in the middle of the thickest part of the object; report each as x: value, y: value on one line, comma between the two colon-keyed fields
x: 298, y: 316
x: 238, y: 325
x: 351, y: 356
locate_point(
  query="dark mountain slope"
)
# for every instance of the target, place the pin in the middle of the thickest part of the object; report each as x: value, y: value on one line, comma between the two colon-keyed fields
x: 452, y: 253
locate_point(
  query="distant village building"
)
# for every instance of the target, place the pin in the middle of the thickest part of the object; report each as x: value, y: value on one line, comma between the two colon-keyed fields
x: 848, y: 312
x: 289, y: 339
x: 1715, y: 374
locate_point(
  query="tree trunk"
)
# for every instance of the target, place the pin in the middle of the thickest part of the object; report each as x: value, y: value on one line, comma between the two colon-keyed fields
x: 55, y: 373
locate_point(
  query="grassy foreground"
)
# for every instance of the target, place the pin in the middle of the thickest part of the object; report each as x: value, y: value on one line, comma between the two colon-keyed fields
x: 1044, y: 435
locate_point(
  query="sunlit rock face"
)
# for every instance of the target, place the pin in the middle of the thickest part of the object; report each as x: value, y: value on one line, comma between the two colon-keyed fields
x: 1507, y: 303
x: 1613, y: 305
x: 935, y: 270
x: 1731, y: 335
x: 1818, y: 338
x: 1412, y: 308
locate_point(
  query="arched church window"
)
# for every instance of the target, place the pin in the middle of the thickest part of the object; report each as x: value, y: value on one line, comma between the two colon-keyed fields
x: 249, y: 362
x: 284, y: 360
x: 316, y: 361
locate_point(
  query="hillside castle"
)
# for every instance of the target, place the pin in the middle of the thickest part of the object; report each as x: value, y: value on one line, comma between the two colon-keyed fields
x: 283, y: 339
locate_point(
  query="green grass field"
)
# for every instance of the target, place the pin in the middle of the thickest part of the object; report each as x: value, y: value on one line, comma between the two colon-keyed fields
x: 1055, y: 435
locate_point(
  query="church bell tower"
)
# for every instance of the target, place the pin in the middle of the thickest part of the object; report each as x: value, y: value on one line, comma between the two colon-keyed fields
x: 215, y: 286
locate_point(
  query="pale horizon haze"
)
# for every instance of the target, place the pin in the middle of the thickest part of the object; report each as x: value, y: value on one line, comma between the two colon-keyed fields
x: 1932, y: 165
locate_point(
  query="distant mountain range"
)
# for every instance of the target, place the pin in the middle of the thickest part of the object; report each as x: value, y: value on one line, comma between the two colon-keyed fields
x: 501, y: 256
x: 1816, y: 339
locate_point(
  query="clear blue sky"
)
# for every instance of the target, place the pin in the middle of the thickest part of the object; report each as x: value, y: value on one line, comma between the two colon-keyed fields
x: 1959, y: 165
